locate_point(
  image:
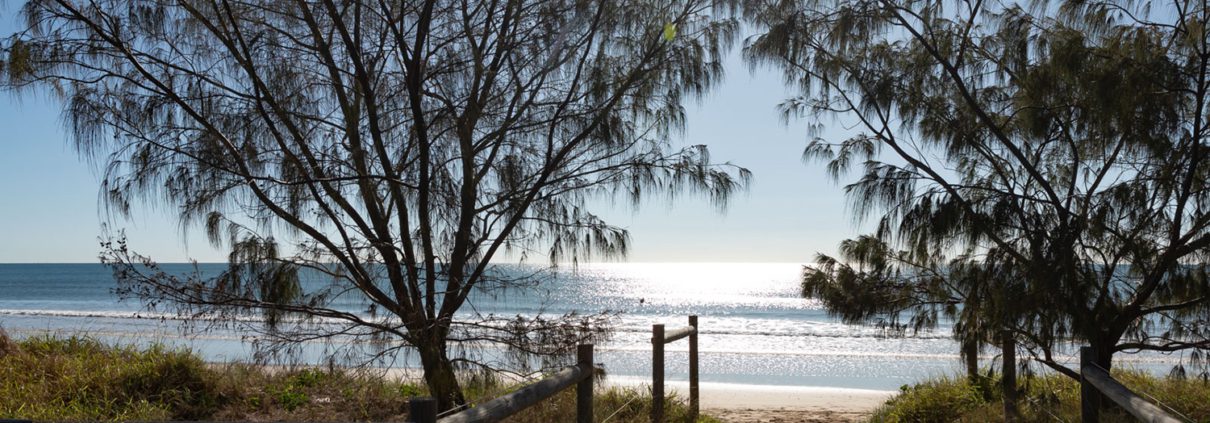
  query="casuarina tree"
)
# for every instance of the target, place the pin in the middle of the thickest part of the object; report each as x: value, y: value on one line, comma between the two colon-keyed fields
x: 397, y: 148
x: 869, y: 282
x: 1065, y: 144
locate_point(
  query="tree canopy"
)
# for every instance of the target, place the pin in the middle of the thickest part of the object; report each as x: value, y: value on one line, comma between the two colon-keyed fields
x: 399, y: 148
x: 1061, y: 145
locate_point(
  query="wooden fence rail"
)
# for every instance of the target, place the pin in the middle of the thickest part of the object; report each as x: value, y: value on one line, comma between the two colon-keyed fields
x: 424, y: 410
x: 1095, y: 381
x: 658, y: 338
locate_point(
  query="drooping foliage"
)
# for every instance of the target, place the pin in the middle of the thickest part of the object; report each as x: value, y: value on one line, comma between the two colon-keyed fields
x: 1058, y: 146
x: 869, y: 282
x: 398, y: 148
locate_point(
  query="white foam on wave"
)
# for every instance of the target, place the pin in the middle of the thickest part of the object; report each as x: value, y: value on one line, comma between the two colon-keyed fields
x: 90, y: 314
x: 143, y: 315
x: 851, y: 353
x: 739, y: 329
x: 629, y: 324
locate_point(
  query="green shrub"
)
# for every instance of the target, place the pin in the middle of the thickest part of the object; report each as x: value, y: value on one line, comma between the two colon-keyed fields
x: 307, y: 377
x: 1045, y: 398
x: 290, y: 398
x: 409, y: 390
x: 931, y: 401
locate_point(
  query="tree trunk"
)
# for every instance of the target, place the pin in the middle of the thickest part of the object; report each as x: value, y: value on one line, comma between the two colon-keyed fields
x: 1102, y: 350
x: 1008, y: 382
x: 1104, y: 354
x: 439, y: 375
x: 970, y: 357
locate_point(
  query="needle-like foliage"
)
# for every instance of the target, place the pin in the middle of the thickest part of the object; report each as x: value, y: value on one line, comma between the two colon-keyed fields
x: 398, y: 148
x: 1059, y: 147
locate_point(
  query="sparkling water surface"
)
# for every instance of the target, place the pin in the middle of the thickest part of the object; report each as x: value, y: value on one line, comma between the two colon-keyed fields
x: 754, y: 328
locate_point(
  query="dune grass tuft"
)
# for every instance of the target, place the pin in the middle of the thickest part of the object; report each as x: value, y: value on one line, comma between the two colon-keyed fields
x: 80, y: 379
x: 7, y: 345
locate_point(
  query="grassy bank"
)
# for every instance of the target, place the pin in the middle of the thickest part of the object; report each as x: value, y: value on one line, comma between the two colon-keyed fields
x: 1046, y: 398
x: 80, y: 379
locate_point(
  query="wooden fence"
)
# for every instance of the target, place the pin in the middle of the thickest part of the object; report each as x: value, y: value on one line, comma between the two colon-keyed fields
x: 1095, y: 381
x: 658, y: 338
x: 424, y: 410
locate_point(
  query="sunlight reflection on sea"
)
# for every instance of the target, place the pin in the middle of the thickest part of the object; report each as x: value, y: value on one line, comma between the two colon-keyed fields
x: 755, y: 329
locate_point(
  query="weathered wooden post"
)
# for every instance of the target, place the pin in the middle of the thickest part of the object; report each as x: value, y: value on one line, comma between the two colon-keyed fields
x: 1090, y: 398
x: 657, y: 373
x: 584, y: 387
x: 693, y: 390
x: 422, y: 410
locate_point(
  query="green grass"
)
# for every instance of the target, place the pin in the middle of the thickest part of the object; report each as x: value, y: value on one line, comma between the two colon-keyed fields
x: 78, y: 379
x: 81, y: 379
x: 1046, y: 398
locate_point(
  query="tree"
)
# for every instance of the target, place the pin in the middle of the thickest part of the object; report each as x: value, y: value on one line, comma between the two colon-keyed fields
x: 398, y: 148
x: 1070, y: 150
x: 870, y: 282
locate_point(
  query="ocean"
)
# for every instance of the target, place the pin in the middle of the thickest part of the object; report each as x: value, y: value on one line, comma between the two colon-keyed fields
x: 754, y: 328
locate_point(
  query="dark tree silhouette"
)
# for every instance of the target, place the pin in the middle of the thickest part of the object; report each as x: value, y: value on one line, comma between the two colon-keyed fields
x: 1065, y: 144
x: 399, y: 148
x: 869, y: 282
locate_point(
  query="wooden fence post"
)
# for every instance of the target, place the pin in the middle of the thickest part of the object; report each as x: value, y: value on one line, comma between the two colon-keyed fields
x: 1090, y: 398
x: 584, y: 387
x: 693, y: 389
x: 657, y: 373
x: 422, y: 410
x: 1106, y: 391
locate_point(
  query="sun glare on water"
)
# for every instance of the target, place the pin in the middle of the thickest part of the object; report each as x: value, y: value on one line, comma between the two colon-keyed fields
x: 702, y: 281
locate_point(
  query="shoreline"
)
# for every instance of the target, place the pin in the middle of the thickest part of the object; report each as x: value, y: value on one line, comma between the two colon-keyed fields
x: 740, y: 403
x: 721, y: 395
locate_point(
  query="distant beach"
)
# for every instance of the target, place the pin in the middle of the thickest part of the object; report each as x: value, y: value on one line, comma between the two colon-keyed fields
x: 755, y: 328
x: 752, y: 402
x: 762, y: 347
x: 766, y: 403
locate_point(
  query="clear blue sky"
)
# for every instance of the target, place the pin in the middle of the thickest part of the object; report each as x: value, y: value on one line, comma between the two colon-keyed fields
x: 50, y: 212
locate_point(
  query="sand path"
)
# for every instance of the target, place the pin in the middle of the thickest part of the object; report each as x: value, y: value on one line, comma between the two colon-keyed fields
x: 777, y: 404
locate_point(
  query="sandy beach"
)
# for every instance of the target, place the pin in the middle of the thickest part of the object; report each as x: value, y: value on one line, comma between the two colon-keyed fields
x: 739, y: 403
x: 742, y: 403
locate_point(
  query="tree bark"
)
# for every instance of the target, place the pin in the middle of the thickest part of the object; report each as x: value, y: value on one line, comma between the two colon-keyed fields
x: 1008, y: 382
x: 970, y: 357
x: 439, y: 375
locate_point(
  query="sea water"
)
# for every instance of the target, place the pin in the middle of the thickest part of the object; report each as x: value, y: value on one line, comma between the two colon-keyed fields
x: 754, y: 326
